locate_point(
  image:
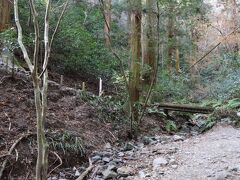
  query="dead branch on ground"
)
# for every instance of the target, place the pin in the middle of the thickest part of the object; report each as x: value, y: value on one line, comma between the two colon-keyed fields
x: 60, y: 160
x: 88, y: 170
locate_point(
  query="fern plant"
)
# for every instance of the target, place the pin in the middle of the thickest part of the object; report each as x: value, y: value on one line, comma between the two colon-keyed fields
x: 170, y: 126
x: 233, y: 104
x: 67, y: 143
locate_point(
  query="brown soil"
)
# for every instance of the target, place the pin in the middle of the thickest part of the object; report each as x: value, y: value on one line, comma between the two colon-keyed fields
x: 65, y: 114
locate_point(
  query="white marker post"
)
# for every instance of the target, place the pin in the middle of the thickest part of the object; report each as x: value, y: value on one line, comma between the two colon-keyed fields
x: 61, y: 80
x: 83, y: 86
x: 100, y: 87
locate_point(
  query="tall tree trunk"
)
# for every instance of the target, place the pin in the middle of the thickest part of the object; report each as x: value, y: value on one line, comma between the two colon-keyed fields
x: 177, y: 57
x: 170, y: 48
x: 234, y: 15
x: 5, y: 14
x: 135, y: 45
x: 107, y: 23
x: 149, y: 44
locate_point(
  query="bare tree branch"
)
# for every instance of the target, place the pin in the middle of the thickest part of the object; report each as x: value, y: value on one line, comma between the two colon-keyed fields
x: 85, y: 173
x: 60, y: 163
x: 53, y: 35
x: 37, y: 35
x: 213, y: 48
x: 46, y: 35
x: 20, y: 37
x: 58, y: 23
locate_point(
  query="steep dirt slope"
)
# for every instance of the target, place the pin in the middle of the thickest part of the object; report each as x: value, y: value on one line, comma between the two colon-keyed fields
x: 68, y: 115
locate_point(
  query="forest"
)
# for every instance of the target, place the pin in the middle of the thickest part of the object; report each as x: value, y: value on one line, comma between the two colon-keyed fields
x: 119, y: 89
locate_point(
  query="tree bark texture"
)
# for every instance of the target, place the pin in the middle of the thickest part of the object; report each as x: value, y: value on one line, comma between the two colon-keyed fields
x: 135, y: 46
x: 149, y: 43
x: 5, y: 14
x: 107, y: 22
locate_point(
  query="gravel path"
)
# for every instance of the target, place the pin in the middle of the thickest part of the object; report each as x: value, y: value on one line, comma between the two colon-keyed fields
x: 213, y: 155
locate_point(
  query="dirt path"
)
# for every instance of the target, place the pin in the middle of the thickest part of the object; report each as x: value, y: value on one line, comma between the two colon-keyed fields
x: 214, y: 155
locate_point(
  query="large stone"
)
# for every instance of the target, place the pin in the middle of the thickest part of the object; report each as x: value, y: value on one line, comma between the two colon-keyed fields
x: 118, y: 160
x: 106, y: 160
x: 160, y: 161
x: 77, y: 173
x: 98, y: 178
x: 238, y: 114
x: 222, y: 175
x: 120, y: 154
x: 62, y: 175
x: 108, y: 146
x: 147, y: 140
x: 142, y: 174
x: 235, y: 168
x: 172, y: 161
x: 107, y: 154
x: 128, y: 147
x: 227, y: 120
x: 96, y: 158
x: 125, y: 171
x: 112, y: 167
x: 185, y: 129
x: 52, y: 178
x: 109, y: 174
x: 177, y: 138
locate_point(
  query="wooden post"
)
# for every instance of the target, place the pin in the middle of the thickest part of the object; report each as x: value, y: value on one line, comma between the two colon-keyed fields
x: 13, y: 66
x: 83, y: 86
x: 100, y: 87
x: 61, y: 80
x: 6, y: 58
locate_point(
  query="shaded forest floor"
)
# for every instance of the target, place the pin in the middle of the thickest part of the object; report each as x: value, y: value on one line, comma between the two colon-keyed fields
x: 67, y: 118
x: 75, y: 131
x: 73, y: 126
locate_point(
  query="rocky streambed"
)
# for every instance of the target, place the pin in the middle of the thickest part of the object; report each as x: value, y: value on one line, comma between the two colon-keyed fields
x: 214, y: 155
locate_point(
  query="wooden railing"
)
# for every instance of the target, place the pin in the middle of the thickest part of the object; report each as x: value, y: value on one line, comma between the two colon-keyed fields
x: 183, y: 108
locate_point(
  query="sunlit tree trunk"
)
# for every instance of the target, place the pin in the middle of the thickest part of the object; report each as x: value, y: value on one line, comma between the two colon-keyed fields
x: 143, y: 33
x: 135, y: 45
x: 234, y: 17
x: 149, y: 44
x: 5, y: 14
x: 107, y: 23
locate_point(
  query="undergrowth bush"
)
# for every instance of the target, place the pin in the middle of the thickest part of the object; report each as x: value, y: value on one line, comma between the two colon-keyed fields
x: 226, y: 85
x: 110, y: 109
x: 83, y: 50
x: 175, y: 88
